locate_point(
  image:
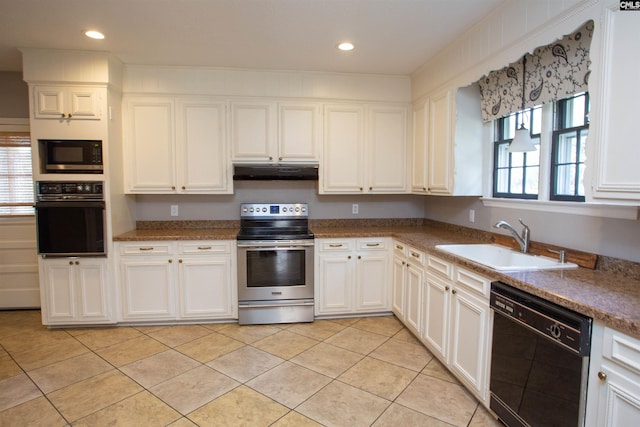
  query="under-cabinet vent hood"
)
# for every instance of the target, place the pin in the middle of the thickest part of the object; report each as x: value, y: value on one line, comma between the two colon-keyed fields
x: 275, y: 172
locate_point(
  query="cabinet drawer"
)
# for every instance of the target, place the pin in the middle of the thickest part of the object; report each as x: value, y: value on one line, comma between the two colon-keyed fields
x: 439, y: 266
x: 473, y: 282
x: 372, y: 244
x: 399, y: 248
x: 415, y: 256
x: 204, y: 247
x: 145, y: 248
x: 622, y: 349
x: 335, y: 245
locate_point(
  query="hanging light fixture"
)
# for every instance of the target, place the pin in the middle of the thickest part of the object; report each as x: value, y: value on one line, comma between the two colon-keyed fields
x: 522, y: 141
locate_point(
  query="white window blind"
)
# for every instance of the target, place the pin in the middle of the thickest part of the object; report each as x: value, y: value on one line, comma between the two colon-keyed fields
x: 16, y: 181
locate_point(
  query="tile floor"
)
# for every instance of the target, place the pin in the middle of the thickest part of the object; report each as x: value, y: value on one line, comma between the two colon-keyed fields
x: 343, y: 372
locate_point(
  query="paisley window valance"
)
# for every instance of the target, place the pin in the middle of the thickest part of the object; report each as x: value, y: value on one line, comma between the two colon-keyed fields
x: 553, y: 72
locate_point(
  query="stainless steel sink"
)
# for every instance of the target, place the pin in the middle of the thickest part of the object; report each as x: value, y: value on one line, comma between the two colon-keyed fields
x: 503, y: 258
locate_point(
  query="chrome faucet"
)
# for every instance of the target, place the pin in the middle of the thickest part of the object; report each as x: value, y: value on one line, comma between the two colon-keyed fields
x: 523, y: 240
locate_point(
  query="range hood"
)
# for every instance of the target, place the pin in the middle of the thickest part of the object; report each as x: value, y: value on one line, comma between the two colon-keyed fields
x: 256, y: 172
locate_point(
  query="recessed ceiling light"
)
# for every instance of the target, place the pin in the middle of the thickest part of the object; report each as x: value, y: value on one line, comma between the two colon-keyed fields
x: 346, y: 46
x: 94, y: 34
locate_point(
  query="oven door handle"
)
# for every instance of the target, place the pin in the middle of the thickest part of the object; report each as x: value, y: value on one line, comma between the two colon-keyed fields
x: 70, y: 204
x: 272, y: 246
x: 276, y: 304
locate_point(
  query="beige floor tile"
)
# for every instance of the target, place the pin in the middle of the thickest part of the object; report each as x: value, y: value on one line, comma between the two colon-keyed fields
x: 126, y: 352
x: 142, y: 409
x: 86, y: 397
x: 249, y: 333
x: 240, y: 407
x: 99, y: 338
x: 193, y: 388
x: 406, y: 336
x: 436, y: 369
x: 401, y: 353
x: 35, y: 339
x: 340, y: 404
x: 61, y: 374
x: 179, y: 334
x: 8, y: 368
x: 149, y: 329
x: 377, y: 377
x: 319, y: 330
x: 53, y: 353
x: 482, y: 418
x: 183, y: 422
x: 294, y: 419
x: 285, y: 344
x: 357, y: 340
x: 381, y: 325
x: 209, y: 347
x: 439, y: 399
x: 346, y: 321
x: 245, y: 363
x: 327, y: 359
x: 16, y: 390
x: 289, y: 384
x: 36, y: 412
x: 217, y: 326
x: 397, y: 415
x: 158, y: 368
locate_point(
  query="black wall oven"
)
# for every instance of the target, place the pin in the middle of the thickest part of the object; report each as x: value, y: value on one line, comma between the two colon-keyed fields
x: 70, y: 218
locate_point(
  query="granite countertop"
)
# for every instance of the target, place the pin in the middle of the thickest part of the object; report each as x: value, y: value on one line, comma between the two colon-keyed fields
x: 610, y: 297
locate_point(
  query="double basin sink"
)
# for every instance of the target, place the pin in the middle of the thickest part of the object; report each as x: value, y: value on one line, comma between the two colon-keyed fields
x: 504, y: 259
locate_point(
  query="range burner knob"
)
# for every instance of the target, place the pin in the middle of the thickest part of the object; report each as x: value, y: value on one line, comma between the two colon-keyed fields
x: 250, y: 209
x: 264, y: 209
x: 304, y: 209
x: 284, y: 209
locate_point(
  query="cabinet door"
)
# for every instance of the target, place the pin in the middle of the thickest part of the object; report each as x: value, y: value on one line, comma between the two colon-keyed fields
x: 413, y: 299
x: 205, y: 287
x: 299, y: 132
x: 59, y: 303
x: 399, y: 274
x: 60, y: 102
x: 436, y: 320
x: 83, y: 104
x: 419, y: 168
x: 91, y: 283
x: 342, y: 163
x: 372, y: 286
x: 619, y: 398
x: 150, y: 146
x: 253, y: 131
x: 440, y: 143
x: 336, y: 276
x: 147, y: 286
x: 470, y: 317
x: 387, y: 149
x: 49, y: 102
x: 203, y: 162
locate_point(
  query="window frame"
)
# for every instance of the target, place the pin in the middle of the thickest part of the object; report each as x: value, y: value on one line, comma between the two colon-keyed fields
x: 18, y: 126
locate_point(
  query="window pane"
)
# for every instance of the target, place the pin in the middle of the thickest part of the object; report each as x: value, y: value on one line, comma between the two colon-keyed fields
x: 566, y: 152
x: 502, y: 186
x: 533, y: 157
x: 531, y: 184
x: 583, y: 145
x: 566, y: 180
x: 536, y: 122
x: 581, y: 179
x: 517, y: 176
x: 503, y: 156
x: 509, y: 127
x: 517, y: 159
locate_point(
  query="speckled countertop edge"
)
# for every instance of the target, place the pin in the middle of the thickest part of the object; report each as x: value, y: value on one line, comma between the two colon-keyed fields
x: 608, y: 297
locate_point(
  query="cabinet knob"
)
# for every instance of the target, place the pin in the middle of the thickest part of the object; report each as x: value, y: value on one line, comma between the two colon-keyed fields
x: 170, y: 261
x: 77, y: 262
x: 359, y: 257
x: 403, y: 263
x: 173, y: 187
x: 454, y: 292
x: 279, y: 158
x: 70, y: 262
x: 270, y: 157
x: 184, y: 188
x: 70, y: 115
x: 446, y: 288
x: 370, y: 188
x: 64, y: 115
x: 602, y: 376
x: 424, y: 188
x: 180, y: 261
x: 361, y: 188
x: 349, y: 257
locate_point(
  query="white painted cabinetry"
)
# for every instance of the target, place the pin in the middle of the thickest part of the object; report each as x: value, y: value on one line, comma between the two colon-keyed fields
x: 352, y: 276
x: 365, y: 149
x: 275, y: 132
x: 74, y: 290
x: 176, y: 145
x: 177, y: 280
x: 66, y: 103
x: 614, y: 379
x: 408, y: 275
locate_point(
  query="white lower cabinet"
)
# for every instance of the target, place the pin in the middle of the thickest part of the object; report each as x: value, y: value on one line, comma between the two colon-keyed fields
x: 408, y: 275
x: 184, y: 280
x: 352, y: 276
x: 74, y: 290
x: 457, y: 322
x: 614, y: 379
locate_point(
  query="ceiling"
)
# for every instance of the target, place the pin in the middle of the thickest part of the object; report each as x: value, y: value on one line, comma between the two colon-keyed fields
x: 391, y: 36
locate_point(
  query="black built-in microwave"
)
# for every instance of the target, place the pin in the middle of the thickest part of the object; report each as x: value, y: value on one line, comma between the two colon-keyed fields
x: 70, y: 156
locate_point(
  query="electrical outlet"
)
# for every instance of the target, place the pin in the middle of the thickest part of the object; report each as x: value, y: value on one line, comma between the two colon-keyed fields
x: 354, y: 208
x: 174, y: 210
x: 472, y: 215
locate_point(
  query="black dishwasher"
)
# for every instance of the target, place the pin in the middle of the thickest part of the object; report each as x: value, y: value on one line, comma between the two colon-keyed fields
x: 539, y: 361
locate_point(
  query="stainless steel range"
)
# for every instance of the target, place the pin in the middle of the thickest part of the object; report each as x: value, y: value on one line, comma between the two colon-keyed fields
x: 275, y: 264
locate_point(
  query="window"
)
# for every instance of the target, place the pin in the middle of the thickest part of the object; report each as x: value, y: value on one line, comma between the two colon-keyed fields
x: 516, y: 174
x: 555, y: 171
x: 16, y: 182
x: 568, y: 148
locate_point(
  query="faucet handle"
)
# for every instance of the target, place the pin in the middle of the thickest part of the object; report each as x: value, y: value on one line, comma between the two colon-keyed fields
x: 523, y: 224
x: 562, y: 255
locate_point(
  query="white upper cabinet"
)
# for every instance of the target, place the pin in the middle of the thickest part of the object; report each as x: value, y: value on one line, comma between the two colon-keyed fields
x: 613, y: 150
x: 176, y: 145
x: 365, y: 149
x: 270, y: 132
x: 66, y: 103
x: 447, y: 143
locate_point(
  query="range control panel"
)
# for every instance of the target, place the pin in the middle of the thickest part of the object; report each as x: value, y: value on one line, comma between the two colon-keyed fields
x: 273, y: 210
x: 50, y: 190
